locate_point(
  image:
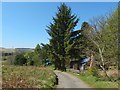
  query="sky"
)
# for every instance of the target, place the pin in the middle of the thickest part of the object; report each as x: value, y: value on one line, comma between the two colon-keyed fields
x: 24, y: 23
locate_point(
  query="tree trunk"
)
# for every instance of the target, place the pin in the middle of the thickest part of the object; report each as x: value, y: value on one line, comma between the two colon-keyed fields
x: 91, y: 61
x: 59, y: 64
x: 63, y: 68
x: 103, y: 64
x: 105, y: 72
x: 55, y: 62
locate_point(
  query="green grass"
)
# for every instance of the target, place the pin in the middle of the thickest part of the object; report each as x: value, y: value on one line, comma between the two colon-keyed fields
x: 27, y: 77
x: 95, y: 82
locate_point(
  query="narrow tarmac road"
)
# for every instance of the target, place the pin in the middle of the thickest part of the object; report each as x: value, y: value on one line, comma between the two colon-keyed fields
x: 66, y: 80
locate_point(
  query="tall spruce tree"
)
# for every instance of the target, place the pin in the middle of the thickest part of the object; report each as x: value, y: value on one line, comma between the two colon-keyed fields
x: 64, y: 39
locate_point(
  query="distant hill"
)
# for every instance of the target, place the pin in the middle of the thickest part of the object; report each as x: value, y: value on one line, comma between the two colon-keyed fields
x: 11, y: 50
x: 7, y: 50
x: 24, y: 49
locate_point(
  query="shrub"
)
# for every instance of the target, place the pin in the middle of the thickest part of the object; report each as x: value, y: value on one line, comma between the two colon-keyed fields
x: 93, y: 71
x: 30, y: 62
x: 20, y: 59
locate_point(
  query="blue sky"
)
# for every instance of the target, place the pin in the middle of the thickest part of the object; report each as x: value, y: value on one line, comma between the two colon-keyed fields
x: 24, y: 24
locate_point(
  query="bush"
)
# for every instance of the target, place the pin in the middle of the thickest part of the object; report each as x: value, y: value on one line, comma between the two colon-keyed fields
x: 4, y: 59
x: 93, y: 71
x: 20, y: 59
x: 30, y: 62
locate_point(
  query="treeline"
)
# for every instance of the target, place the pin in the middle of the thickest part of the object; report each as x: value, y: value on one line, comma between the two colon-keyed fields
x: 38, y: 57
x: 98, y: 37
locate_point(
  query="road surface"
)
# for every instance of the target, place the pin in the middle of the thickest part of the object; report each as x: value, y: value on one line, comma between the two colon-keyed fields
x: 66, y: 80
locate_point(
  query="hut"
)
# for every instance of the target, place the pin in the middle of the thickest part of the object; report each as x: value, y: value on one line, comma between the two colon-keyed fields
x: 82, y: 64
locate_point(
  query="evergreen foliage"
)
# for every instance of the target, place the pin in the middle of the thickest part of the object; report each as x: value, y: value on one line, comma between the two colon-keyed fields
x: 64, y: 39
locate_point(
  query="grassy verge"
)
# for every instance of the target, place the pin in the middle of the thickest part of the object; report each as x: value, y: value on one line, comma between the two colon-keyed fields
x: 27, y: 77
x: 95, y: 82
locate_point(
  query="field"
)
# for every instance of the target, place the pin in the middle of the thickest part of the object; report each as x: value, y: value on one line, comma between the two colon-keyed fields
x: 27, y: 77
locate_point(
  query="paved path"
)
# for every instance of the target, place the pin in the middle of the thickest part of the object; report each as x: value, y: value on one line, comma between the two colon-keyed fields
x: 66, y: 80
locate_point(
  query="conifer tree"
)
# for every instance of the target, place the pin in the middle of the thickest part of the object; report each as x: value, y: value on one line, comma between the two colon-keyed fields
x: 63, y: 42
